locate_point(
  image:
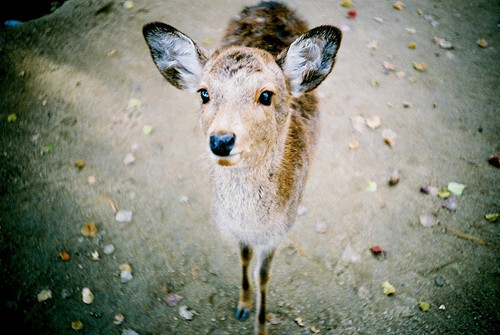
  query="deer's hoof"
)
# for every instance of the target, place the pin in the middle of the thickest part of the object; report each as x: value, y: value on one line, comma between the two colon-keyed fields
x: 242, y: 313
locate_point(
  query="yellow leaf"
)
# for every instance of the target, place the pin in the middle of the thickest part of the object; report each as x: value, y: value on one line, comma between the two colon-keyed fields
x: 387, y: 288
x: 89, y: 229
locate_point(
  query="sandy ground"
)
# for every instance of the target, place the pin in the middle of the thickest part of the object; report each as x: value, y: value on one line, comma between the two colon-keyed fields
x: 71, y: 79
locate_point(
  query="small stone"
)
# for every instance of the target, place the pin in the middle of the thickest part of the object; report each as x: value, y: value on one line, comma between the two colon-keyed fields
x: 129, y: 159
x: 126, y: 276
x: 109, y: 249
x: 439, y: 282
x: 124, y: 215
x: 65, y: 293
x: 87, y: 296
x: 118, y: 319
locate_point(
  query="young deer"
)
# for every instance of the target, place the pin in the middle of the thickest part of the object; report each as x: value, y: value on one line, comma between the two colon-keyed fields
x: 260, y: 122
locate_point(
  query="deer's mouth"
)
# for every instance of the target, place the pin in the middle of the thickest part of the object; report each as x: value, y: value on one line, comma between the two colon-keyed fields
x: 229, y: 160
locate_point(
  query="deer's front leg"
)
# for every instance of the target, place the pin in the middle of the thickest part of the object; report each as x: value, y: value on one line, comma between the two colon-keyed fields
x: 262, y: 277
x: 245, y: 302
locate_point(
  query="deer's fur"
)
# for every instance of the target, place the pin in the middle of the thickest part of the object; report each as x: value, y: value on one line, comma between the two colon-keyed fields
x: 260, y: 121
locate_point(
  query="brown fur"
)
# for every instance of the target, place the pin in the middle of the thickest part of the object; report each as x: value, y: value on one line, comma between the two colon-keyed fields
x: 260, y: 122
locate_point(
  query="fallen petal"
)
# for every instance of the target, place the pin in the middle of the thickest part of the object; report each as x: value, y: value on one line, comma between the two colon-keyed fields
x: 172, y: 299
x: 443, y: 193
x: 428, y: 220
x: 77, y: 325
x: 420, y: 66
x: 373, y: 121
x: 389, y: 136
x: 89, y: 229
x: 387, y: 288
x: 44, y: 295
x: 371, y: 186
x: 450, y: 204
x: 456, y: 188
x: 321, y: 227
x: 124, y: 215
x: 482, y: 43
x: 185, y: 313
x: 424, y: 306
x: 118, y: 319
x: 87, y: 296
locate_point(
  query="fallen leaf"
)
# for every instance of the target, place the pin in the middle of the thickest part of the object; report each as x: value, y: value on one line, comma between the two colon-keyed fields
x: 90, y: 180
x: 77, y: 325
x: 11, y: 118
x: 372, y: 45
x: 124, y: 216
x: 371, y: 186
x: 398, y: 5
x: 450, y: 204
x: 373, y: 121
x: 346, y: 3
x: 493, y: 160
x: 353, y: 144
x: 412, y: 46
x: 95, y: 255
x: 389, y: 66
x: 443, y: 44
x: 80, y: 164
x: 129, y: 159
x: 315, y: 330
x: 134, y: 103
x: 128, y: 4
x: 389, y: 136
x: 111, y: 53
x: 491, y: 217
x: 185, y: 313
x: 376, y: 249
x: 482, y: 43
x: 432, y: 190
x: 321, y: 227
x: 47, y: 148
x: 456, y: 188
x: 358, y: 123
x: 420, y: 66
x: 64, y: 256
x: 443, y: 193
x: 299, y: 322
x: 428, y: 220
x: 274, y: 319
x: 424, y: 306
x: 147, y: 129
x: 394, y: 179
x: 89, y: 229
x: 172, y: 299
x: 387, y: 288
x: 87, y: 296
x: 118, y: 319
x: 44, y: 295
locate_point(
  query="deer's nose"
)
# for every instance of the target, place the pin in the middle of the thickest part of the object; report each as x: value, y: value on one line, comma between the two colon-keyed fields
x: 222, y: 144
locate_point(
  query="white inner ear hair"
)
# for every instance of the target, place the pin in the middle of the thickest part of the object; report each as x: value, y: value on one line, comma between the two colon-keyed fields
x: 303, y: 56
x: 180, y: 53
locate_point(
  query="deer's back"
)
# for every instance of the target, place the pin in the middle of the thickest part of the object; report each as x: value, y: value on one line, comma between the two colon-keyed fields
x: 270, y: 26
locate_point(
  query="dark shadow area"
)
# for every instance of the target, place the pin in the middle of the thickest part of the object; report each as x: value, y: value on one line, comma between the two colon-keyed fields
x: 28, y: 10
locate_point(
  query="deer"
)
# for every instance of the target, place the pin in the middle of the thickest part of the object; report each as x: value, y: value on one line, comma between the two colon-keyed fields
x: 260, y: 123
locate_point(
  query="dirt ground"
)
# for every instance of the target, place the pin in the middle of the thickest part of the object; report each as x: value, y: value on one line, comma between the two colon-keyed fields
x: 79, y: 84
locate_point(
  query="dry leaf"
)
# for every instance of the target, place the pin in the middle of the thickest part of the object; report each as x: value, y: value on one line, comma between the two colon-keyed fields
x: 398, y: 5
x: 387, y: 288
x: 172, y: 299
x: 372, y: 45
x: 424, y: 306
x: 444, y: 44
x: 389, y: 66
x: 482, y: 43
x: 90, y: 180
x: 420, y: 66
x: 80, y: 164
x: 64, y: 256
x: 118, y: 319
x: 389, y: 136
x: 299, y: 322
x: 44, y: 295
x: 358, y: 123
x: 87, y: 296
x: 353, y: 144
x: 394, y: 178
x: 89, y: 229
x: 412, y: 45
x: 428, y: 220
x: 77, y: 325
x: 373, y: 121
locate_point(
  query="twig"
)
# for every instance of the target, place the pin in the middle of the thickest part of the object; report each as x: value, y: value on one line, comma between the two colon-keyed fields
x: 470, y: 238
x: 113, y: 206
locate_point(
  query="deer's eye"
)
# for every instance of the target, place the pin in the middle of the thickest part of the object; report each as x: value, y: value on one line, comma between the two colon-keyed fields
x: 265, y: 98
x: 205, y: 97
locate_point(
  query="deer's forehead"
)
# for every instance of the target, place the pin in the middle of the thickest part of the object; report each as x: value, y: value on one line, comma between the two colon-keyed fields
x: 240, y: 63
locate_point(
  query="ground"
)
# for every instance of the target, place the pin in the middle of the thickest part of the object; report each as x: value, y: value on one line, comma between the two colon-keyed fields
x: 79, y: 85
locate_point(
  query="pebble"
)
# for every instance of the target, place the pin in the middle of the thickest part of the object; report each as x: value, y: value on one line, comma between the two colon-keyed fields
x: 129, y: 159
x: 87, y: 295
x: 439, y: 282
x: 124, y: 215
x: 109, y: 249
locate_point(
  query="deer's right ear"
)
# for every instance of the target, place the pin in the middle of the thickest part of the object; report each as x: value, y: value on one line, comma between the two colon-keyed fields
x: 177, y: 56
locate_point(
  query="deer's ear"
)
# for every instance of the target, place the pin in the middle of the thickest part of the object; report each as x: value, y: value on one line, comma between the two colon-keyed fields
x: 310, y: 58
x: 177, y: 56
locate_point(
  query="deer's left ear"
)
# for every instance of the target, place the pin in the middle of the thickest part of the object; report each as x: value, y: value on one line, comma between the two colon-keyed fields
x: 310, y: 58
